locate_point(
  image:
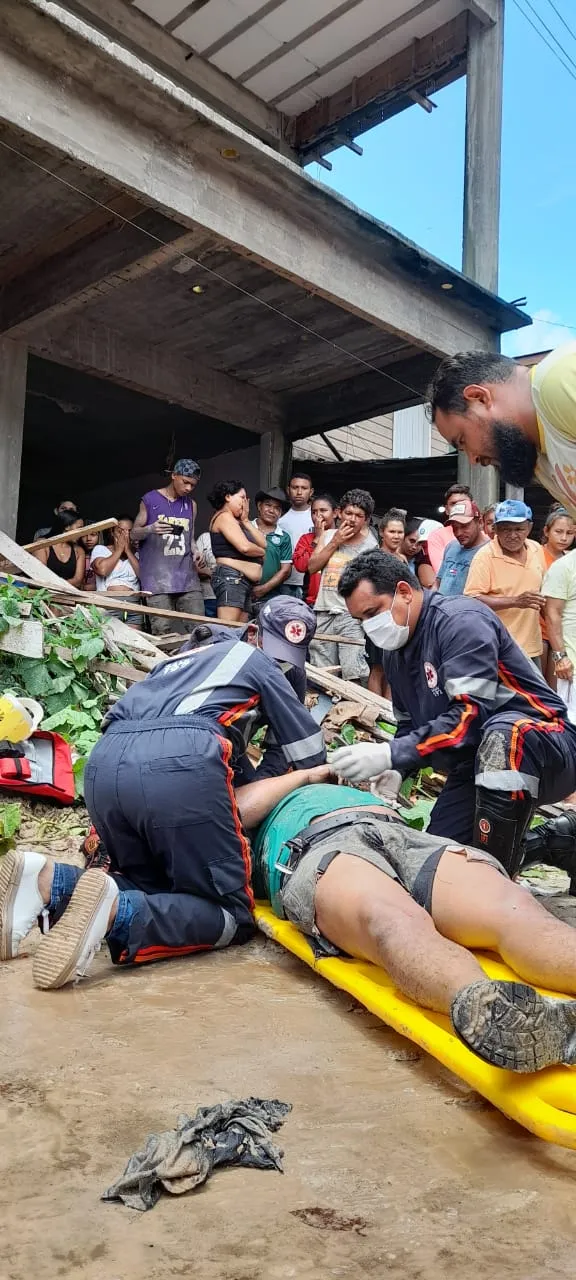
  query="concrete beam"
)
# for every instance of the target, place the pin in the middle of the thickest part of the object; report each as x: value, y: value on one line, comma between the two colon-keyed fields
x: 481, y: 229
x: 486, y: 11
x: 400, y: 385
x: 169, y: 54
x: 13, y: 363
x: 261, y: 206
x: 273, y: 459
x: 69, y: 282
x: 101, y: 351
x: 483, y: 148
x: 437, y: 59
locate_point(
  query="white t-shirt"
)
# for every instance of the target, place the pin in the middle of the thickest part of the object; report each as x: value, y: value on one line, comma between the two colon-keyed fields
x: 122, y: 574
x: 296, y: 523
x: 560, y: 584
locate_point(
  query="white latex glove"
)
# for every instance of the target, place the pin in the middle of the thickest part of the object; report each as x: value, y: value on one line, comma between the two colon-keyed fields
x: 387, y: 785
x: 361, y: 762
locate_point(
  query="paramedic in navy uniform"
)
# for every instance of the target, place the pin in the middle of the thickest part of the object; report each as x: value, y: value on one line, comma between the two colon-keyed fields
x: 469, y: 703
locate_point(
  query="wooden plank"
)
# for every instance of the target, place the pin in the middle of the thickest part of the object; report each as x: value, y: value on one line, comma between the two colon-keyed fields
x: 352, y: 692
x: 27, y: 640
x: 437, y: 58
x: 72, y: 535
x: 40, y: 574
x: 106, y: 353
x: 121, y: 669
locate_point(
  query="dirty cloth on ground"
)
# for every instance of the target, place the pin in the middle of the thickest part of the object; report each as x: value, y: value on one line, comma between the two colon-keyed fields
x: 183, y: 1158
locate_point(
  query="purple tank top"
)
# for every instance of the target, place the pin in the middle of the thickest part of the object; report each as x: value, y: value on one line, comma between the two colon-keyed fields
x: 166, y: 564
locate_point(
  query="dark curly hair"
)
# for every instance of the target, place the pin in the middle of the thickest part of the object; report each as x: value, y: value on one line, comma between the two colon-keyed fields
x: 359, y: 498
x: 223, y: 490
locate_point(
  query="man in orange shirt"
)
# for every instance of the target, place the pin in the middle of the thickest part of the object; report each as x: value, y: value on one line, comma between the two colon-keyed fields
x: 507, y: 575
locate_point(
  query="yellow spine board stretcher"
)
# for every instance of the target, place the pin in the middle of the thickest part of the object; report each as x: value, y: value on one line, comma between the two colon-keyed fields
x: 544, y: 1102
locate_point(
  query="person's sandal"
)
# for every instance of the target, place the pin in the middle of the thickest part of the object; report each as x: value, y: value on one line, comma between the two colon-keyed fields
x: 511, y: 1026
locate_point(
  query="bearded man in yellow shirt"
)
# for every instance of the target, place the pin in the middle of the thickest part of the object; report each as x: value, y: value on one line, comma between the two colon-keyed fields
x: 523, y: 420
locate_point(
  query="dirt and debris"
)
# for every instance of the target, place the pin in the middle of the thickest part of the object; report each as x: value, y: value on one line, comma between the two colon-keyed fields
x: 85, y: 1072
x: 328, y: 1219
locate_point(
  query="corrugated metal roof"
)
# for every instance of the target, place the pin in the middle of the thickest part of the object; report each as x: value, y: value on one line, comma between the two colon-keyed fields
x: 294, y: 53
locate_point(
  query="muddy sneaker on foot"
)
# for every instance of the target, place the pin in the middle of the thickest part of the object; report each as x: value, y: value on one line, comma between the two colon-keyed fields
x: 20, y: 898
x: 66, y: 953
x: 512, y: 1026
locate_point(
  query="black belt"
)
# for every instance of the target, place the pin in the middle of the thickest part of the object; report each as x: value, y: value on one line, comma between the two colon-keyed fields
x: 316, y: 831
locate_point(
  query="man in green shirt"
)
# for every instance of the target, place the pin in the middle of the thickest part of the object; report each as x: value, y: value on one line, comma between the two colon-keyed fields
x: 271, y: 505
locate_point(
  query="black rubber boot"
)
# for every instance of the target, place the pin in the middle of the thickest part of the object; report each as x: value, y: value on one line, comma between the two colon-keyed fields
x: 510, y: 1025
x: 499, y: 825
x: 554, y: 842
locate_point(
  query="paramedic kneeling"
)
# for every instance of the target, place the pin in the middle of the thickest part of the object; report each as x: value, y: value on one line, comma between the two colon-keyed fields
x: 467, y: 702
x: 159, y: 788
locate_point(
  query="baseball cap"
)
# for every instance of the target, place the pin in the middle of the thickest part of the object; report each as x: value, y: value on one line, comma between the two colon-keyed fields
x: 426, y: 528
x: 274, y: 492
x: 464, y: 512
x: 286, y: 627
x: 513, y: 511
x: 186, y: 467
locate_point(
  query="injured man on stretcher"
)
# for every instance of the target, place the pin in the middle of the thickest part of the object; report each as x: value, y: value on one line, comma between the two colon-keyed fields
x: 353, y: 877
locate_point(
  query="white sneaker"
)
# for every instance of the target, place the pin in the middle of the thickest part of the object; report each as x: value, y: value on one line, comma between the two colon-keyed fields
x: 66, y: 953
x: 20, y: 898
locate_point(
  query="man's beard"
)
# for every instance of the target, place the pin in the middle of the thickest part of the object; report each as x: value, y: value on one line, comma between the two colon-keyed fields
x: 517, y: 454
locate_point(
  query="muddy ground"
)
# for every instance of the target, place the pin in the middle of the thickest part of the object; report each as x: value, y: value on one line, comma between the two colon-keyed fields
x: 392, y: 1166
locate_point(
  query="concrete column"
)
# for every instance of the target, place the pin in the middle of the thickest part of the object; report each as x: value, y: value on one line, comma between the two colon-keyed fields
x: 275, y: 454
x: 480, y: 239
x: 13, y: 363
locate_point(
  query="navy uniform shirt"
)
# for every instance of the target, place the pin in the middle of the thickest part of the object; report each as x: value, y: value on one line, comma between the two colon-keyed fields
x: 234, y: 686
x: 460, y: 667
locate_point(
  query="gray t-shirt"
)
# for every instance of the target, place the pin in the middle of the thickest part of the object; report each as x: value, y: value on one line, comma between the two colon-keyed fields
x: 329, y: 600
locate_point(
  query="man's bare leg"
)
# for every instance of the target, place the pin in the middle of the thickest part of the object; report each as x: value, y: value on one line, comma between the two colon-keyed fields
x: 257, y: 799
x: 366, y: 913
x: 474, y: 905
x: 369, y: 915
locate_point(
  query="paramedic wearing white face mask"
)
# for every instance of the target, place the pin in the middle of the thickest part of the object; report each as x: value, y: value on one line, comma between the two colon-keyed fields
x: 469, y: 704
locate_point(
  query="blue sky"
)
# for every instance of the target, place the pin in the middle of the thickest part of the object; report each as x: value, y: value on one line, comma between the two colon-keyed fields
x: 411, y: 176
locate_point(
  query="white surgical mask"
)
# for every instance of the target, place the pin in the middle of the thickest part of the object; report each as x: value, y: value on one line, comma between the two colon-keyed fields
x: 384, y: 632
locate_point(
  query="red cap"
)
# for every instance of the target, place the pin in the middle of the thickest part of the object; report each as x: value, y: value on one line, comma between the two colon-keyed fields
x: 463, y: 512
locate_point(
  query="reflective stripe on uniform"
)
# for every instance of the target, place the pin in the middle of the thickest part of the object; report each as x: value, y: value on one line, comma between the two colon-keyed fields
x: 222, y: 675
x: 400, y: 716
x: 508, y: 780
x: 312, y: 746
x: 471, y: 687
x: 230, y: 928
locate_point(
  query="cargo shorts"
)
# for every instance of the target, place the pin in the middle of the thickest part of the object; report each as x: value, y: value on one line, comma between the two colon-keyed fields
x: 408, y: 856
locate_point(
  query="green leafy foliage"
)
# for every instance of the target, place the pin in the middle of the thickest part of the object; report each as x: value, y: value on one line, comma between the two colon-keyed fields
x: 10, y: 615
x: 74, y: 699
x: 418, y: 814
x: 10, y: 818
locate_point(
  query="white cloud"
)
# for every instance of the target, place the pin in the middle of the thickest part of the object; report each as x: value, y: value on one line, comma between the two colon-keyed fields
x: 546, y: 331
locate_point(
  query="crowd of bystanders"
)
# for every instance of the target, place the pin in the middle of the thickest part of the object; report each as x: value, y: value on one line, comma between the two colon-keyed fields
x: 298, y: 543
